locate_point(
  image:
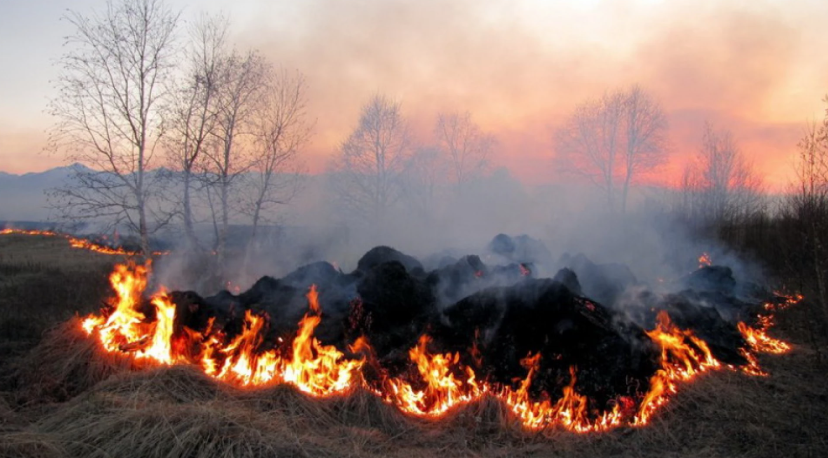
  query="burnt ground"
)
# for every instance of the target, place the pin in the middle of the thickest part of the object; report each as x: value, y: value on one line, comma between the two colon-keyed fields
x: 59, y: 399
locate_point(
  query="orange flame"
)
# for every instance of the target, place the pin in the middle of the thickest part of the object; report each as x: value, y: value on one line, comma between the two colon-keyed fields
x: 683, y: 356
x: 444, y: 389
x: 79, y: 243
x: 705, y: 260
x: 524, y: 271
x: 314, y: 368
x: 759, y: 340
x: 441, y: 381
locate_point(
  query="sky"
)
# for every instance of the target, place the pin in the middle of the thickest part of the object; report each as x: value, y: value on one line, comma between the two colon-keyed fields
x: 758, y: 68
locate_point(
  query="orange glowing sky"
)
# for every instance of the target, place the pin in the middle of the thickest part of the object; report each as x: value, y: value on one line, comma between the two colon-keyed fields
x: 758, y: 68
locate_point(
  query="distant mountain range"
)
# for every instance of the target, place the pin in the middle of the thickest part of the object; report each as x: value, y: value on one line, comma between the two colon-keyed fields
x: 24, y: 196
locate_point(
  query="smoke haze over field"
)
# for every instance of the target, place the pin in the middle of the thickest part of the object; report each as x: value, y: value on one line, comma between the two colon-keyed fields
x: 520, y: 69
x: 756, y: 68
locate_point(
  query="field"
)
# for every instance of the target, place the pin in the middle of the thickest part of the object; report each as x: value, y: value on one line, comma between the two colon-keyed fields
x: 61, y: 396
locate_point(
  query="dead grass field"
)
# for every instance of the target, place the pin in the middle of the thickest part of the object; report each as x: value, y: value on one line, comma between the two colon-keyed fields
x: 60, y: 397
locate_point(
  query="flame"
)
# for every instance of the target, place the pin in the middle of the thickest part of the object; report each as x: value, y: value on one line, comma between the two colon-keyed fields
x: 683, y: 356
x: 787, y: 301
x: 759, y: 340
x: 705, y: 260
x: 125, y: 325
x: 79, y: 243
x: 312, y: 367
x: 436, y: 382
x: 232, y: 287
x: 524, y: 271
x: 449, y: 384
x: 10, y: 231
x: 315, y: 368
x: 444, y: 389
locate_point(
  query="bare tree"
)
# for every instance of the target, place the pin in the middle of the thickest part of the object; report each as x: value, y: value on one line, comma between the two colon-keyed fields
x: 645, y: 127
x: 424, y: 179
x: 465, y: 144
x: 241, y: 85
x: 720, y: 186
x: 613, y: 139
x: 587, y: 144
x: 808, y: 206
x: 194, y: 110
x: 109, y: 111
x: 280, y: 128
x: 367, y: 174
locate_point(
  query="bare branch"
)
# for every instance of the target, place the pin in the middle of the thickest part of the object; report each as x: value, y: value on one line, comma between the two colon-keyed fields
x: 108, y: 109
x: 368, y: 173
x: 611, y: 140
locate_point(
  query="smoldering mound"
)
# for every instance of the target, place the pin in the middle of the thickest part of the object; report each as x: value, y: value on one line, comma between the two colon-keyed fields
x: 588, y: 318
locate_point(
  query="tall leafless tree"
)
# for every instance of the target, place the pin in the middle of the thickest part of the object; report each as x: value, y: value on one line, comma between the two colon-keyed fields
x: 612, y: 140
x: 424, y: 180
x: 808, y: 206
x: 720, y: 186
x: 465, y: 144
x: 645, y: 143
x: 194, y: 111
x: 241, y: 85
x: 367, y: 174
x: 280, y: 128
x: 111, y: 91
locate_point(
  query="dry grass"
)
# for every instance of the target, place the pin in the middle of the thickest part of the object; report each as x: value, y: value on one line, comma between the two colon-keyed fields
x: 44, y: 282
x: 65, y: 398
x: 63, y: 365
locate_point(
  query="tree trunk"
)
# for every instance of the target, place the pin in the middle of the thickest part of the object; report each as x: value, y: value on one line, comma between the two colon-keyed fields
x: 188, y: 212
x: 143, y: 232
x: 225, y: 223
x: 625, y: 192
x: 250, y: 248
x: 256, y: 215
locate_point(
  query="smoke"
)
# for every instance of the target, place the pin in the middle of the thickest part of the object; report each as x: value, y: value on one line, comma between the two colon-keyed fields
x: 519, y: 67
x: 563, y: 221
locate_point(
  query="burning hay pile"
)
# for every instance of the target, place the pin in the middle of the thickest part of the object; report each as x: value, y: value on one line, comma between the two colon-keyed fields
x: 429, y: 341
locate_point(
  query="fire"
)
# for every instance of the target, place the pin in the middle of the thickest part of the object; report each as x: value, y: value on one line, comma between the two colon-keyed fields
x: 79, y: 243
x: 705, y: 260
x: 444, y: 389
x: 524, y: 271
x: 570, y: 411
x: 757, y: 337
x: 10, y: 231
x: 314, y: 368
x: 449, y: 384
x: 125, y: 325
x: 788, y: 300
x: 683, y: 356
x: 760, y: 341
x: 436, y: 382
x: 160, y: 348
x: 232, y: 287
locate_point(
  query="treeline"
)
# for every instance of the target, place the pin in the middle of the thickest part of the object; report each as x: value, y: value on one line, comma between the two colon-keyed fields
x: 182, y: 128
x: 788, y: 235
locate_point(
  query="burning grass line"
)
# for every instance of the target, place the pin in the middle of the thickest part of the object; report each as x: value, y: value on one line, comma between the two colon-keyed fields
x: 80, y: 243
x: 445, y: 384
